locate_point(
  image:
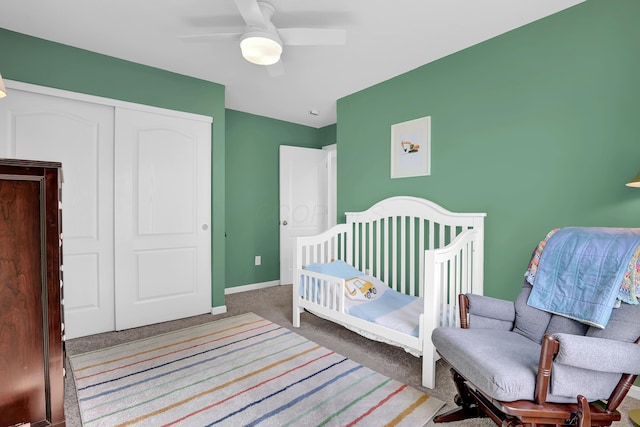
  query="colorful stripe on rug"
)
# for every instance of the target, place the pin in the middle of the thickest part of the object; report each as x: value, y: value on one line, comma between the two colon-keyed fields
x: 241, y: 370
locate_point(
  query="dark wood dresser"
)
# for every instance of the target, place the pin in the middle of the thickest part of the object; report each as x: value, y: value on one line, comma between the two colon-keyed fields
x: 31, y: 316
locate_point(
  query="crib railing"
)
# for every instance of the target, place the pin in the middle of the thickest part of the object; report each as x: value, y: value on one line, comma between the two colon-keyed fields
x: 325, y: 247
x: 391, y: 249
x: 455, y: 269
x: 320, y: 289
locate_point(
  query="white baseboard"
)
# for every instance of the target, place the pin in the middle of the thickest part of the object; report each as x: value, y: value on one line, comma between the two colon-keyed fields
x: 221, y: 309
x: 251, y: 287
x: 634, y: 392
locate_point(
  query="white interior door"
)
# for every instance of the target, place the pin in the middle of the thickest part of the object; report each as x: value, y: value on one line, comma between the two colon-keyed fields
x: 80, y: 135
x: 303, y: 200
x: 162, y: 218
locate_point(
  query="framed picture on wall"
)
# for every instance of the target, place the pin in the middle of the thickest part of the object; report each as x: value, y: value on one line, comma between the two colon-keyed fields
x: 411, y: 148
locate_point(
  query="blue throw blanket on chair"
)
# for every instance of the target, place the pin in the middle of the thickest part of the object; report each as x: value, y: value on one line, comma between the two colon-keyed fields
x: 581, y: 271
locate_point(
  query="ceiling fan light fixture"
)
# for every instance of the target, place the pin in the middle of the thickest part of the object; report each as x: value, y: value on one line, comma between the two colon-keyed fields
x: 261, y: 47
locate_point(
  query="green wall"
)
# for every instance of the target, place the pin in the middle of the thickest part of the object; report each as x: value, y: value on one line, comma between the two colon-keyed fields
x: 32, y: 60
x: 252, y: 192
x: 328, y: 134
x: 538, y: 128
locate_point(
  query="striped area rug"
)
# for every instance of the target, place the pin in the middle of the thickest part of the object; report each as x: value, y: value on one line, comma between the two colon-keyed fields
x: 238, y: 371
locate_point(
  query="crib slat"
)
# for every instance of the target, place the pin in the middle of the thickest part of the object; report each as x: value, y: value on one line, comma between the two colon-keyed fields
x: 334, y: 247
x: 466, y: 267
x: 447, y: 285
x: 386, y: 252
x: 431, y: 235
x: 376, y: 272
x: 455, y: 289
x: 363, y: 246
x: 412, y: 256
x: 421, y: 250
x: 394, y: 257
x: 403, y: 254
x: 304, y: 287
x: 443, y: 291
x: 346, y: 245
x: 356, y: 241
x: 371, y: 243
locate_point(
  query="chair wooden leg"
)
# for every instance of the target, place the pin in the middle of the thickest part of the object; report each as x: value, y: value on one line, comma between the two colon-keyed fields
x: 584, y: 413
x: 467, y: 407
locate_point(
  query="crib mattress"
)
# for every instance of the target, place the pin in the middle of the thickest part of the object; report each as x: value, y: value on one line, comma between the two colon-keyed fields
x: 389, y: 308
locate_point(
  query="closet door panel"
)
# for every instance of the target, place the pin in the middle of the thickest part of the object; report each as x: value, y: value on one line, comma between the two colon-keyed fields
x: 165, y: 179
x: 163, y: 213
x: 80, y: 136
x: 166, y: 273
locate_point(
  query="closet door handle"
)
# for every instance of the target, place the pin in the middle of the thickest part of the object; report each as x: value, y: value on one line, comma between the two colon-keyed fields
x: 284, y: 222
x: 205, y: 227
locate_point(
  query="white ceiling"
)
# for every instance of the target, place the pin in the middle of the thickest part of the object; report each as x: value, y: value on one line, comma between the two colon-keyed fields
x: 384, y: 39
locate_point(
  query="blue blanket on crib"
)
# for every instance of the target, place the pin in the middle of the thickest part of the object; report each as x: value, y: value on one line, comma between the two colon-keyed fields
x: 581, y: 270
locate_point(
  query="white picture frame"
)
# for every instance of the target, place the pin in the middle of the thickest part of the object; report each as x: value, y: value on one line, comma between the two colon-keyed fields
x: 411, y: 148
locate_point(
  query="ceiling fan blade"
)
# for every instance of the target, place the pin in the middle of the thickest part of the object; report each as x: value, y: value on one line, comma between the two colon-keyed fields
x: 251, y: 13
x: 276, y: 69
x: 209, y: 37
x: 312, y: 36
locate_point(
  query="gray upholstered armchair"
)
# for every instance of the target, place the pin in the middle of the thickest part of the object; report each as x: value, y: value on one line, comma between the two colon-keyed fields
x: 524, y: 366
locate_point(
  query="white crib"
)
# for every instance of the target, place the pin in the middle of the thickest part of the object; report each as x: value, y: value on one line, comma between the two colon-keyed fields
x: 414, y: 246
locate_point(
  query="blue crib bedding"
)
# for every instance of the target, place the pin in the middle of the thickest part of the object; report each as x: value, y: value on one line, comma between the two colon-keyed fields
x: 385, y: 307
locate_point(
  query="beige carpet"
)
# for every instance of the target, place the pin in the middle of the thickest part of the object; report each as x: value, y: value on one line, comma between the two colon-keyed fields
x: 275, y: 304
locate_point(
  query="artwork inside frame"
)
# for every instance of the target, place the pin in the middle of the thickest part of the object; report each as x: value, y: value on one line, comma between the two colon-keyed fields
x: 411, y: 148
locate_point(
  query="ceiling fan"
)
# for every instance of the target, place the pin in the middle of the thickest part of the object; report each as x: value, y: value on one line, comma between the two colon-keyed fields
x: 262, y: 43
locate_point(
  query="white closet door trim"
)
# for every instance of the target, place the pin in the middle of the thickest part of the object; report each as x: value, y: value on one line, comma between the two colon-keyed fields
x: 44, y: 90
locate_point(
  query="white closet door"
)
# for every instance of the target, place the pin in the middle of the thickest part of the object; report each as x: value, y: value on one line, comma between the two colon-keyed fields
x: 80, y: 135
x: 162, y: 218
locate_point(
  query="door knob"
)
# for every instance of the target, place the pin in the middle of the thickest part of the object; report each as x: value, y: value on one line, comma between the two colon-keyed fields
x: 205, y: 227
x: 284, y: 222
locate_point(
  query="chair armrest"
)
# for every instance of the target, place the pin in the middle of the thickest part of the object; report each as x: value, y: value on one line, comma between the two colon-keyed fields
x: 598, y: 354
x: 490, y: 313
x: 547, y: 352
x: 575, y: 356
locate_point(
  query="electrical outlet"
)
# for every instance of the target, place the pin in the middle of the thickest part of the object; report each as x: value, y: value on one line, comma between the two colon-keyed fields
x: 258, y: 260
